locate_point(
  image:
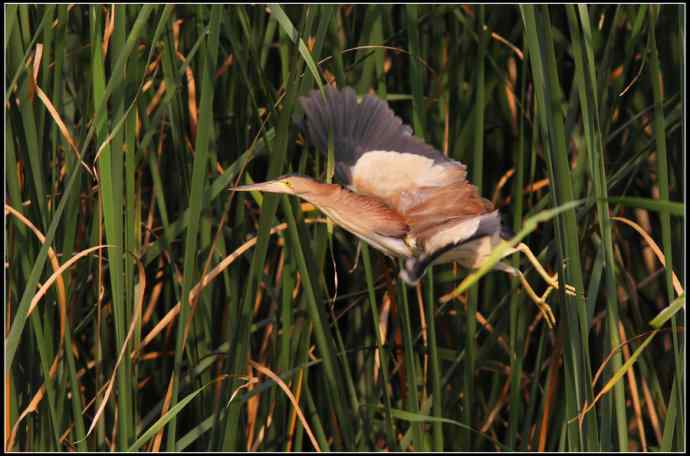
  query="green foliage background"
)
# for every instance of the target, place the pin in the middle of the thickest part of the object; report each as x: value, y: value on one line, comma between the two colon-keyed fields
x: 164, y: 107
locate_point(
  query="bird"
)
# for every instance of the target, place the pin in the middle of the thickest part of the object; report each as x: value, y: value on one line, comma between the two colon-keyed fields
x: 398, y: 193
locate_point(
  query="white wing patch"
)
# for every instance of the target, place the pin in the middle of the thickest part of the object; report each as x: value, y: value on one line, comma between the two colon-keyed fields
x: 388, y: 173
x: 452, y: 235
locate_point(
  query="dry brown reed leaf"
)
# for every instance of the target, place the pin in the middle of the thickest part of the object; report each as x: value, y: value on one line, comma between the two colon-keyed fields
x: 55, y: 264
x: 655, y: 248
x: 208, y: 278
x: 269, y: 373
x: 136, y: 315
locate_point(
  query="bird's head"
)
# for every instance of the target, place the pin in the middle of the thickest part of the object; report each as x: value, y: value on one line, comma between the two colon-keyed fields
x: 290, y: 185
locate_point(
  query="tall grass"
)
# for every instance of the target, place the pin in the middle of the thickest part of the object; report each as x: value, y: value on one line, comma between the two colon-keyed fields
x: 202, y: 319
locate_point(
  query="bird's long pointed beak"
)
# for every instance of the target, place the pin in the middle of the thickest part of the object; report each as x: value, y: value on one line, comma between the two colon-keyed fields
x: 269, y: 186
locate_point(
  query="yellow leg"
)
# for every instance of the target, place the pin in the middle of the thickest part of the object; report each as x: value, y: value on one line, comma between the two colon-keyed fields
x: 540, y: 301
x: 551, y: 280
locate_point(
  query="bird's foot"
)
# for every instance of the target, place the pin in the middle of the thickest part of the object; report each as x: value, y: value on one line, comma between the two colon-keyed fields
x: 547, y: 313
x: 544, y: 308
x: 540, y: 301
x: 552, y: 281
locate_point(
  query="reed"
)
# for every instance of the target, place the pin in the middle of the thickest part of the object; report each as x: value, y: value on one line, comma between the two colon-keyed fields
x: 208, y: 320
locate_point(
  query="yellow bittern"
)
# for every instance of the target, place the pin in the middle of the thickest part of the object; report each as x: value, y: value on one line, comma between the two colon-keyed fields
x: 399, y: 194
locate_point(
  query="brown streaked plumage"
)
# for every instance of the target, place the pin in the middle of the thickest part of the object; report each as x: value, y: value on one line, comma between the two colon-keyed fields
x: 399, y: 194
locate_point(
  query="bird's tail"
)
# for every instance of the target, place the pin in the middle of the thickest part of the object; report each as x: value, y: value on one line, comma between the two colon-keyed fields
x: 414, y: 270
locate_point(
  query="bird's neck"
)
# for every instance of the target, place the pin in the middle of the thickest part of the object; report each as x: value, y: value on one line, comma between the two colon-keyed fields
x: 323, y: 195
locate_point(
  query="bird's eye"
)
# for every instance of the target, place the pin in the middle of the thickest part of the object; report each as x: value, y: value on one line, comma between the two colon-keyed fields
x: 288, y: 184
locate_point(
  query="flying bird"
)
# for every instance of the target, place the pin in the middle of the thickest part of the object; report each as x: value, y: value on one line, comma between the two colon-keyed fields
x: 399, y: 194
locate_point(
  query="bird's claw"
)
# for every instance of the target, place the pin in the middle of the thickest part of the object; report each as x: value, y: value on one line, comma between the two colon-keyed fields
x: 544, y: 308
x: 546, y: 312
x: 569, y: 289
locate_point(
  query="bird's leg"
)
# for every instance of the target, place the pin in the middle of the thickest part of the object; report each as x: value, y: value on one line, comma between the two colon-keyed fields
x: 552, y: 281
x: 540, y: 301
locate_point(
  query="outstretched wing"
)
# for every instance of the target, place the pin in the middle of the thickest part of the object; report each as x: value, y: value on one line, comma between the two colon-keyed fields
x: 377, y: 155
x: 358, y: 128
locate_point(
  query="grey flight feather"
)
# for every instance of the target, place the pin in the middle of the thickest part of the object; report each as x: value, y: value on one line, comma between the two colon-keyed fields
x: 357, y: 128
